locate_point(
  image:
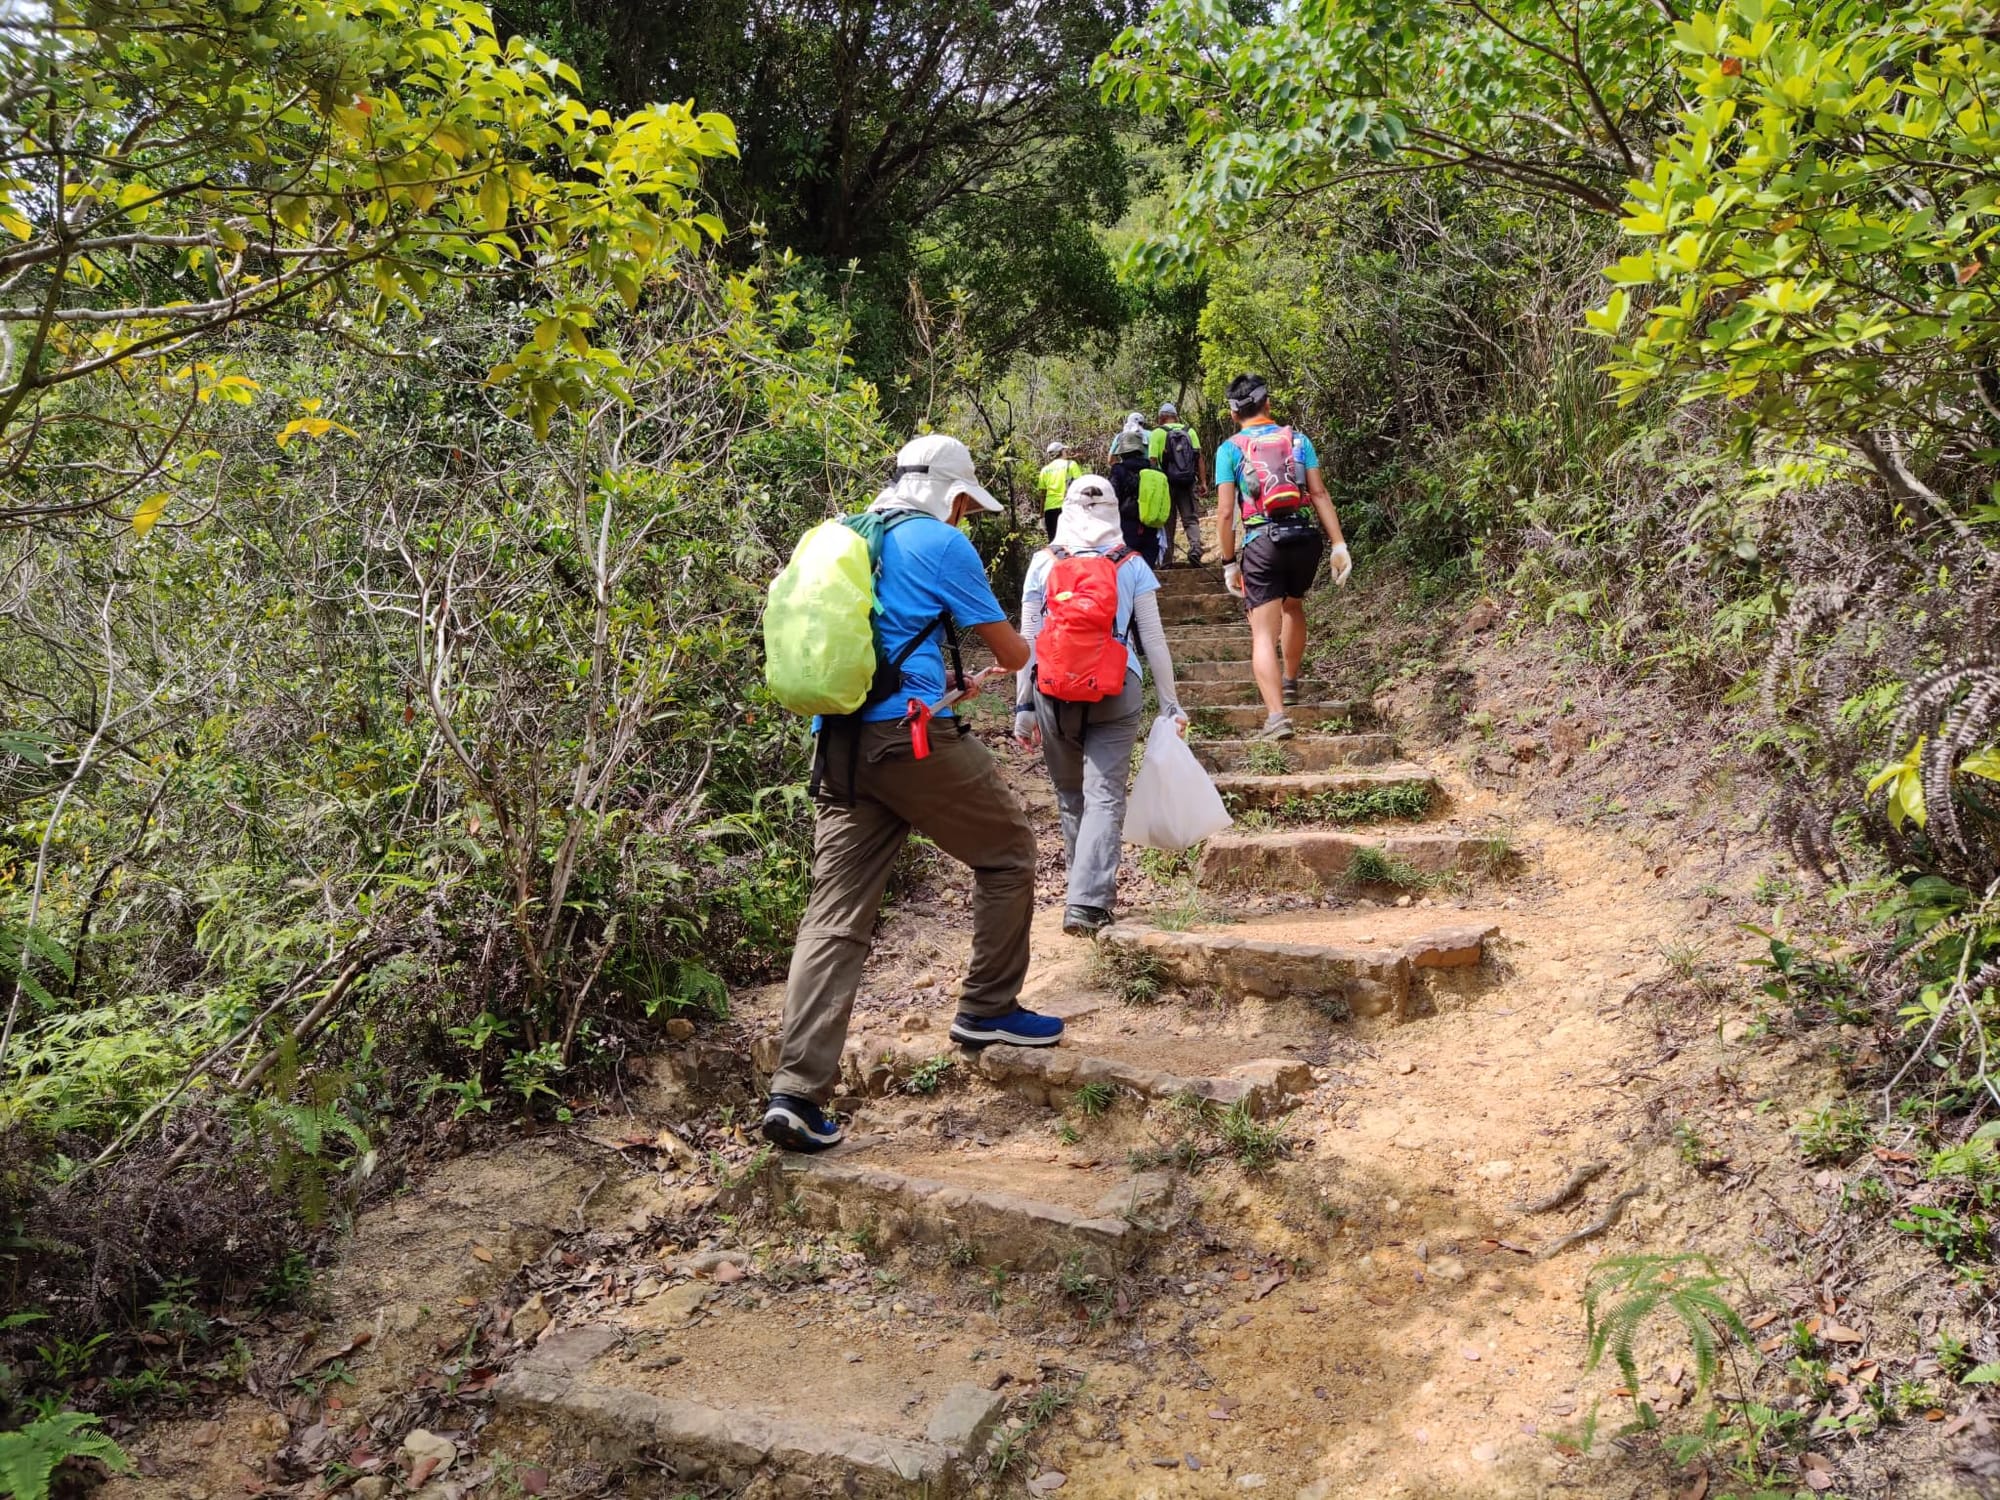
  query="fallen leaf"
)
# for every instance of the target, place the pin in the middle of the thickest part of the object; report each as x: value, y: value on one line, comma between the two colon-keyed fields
x: 1817, y: 1479
x: 1239, y: 1275
x: 1839, y: 1333
x: 1470, y: 1353
x: 480, y: 1252
x: 1935, y: 1414
x: 422, y: 1470
x: 1814, y: 1463
x: 729, y: 1273
x: 532, y: 1481
x: 1047, y: 1481
x: 1267, y: 1286
x: 1732, y: 67
x: 1762, y: 1320
x: 1697, y: 1487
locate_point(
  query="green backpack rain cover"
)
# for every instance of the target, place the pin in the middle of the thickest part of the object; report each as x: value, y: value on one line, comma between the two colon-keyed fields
x: 821, y: 653
x: 1155, y: 499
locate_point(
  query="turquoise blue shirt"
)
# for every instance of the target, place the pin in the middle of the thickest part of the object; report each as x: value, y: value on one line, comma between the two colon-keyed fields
x: 1229, y: 457
x: 1134, y: 579
x: 928, y: 569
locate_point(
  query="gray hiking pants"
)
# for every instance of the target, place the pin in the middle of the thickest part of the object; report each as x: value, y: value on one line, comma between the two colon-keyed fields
x: 1088, y: 750
x: 1187, y: 512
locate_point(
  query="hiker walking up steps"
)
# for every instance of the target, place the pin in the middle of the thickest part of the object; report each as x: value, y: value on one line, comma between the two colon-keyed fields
x: 1269, y: 476
x: 1171, y: 448
x: 1080, y: 695
x: 890, y: 757
x: 1142, y: 493
x: 1058, y: 474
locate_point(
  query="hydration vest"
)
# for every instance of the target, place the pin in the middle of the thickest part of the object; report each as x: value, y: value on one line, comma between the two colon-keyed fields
x: 1269, y: 482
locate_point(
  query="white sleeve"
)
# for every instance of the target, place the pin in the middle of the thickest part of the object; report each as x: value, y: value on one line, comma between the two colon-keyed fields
x: 1153, y: 640
x: 1033, y: 590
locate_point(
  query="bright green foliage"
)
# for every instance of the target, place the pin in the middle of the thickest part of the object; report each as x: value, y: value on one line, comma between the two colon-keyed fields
x: 1558, y: 101
x: 1816, y: 234
x: 1625, y: 1292
x: 172, y: 170
x: 30, y: 1456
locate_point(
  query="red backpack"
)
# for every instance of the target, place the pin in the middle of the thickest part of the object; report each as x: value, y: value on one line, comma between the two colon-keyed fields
x: 1078, y: 657
x: 1269, y: 482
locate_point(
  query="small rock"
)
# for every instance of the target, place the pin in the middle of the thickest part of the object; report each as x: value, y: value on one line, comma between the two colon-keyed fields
x: 1448, y: 1268
x: 1524, y: 746
x: 729, y: 1273
x: 1251, y: 1481
x: 1470, y: 1351
x: 1084, y: 1425
x: 1487, y: 1453
x: 205, y: 1435
x: 419, y: 1445
x: 271, y: 1427
x: 679, y: 1029
x: 900, y: 1308
x: 1048, y: 1481
x: 1405, y: 1068
x: 851, y: 1357
x: 1734, y: 1030
x: 1190, y: 1288
x: 1400, y: 901
x: 1496, y: 1169
x: 918, y: 1022
x: 529, y: 1319
x: 647, y: 1288
x: 1091, y: 1449
x: 370, y: 1487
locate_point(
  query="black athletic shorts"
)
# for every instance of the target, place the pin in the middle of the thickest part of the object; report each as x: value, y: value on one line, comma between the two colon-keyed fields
x: 1279, y: 562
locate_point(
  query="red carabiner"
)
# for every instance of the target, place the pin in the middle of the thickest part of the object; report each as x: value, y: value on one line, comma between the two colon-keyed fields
x: 919, y: 720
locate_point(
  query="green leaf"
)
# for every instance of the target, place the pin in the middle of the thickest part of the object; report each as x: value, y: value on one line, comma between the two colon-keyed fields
x: 30, y: 1457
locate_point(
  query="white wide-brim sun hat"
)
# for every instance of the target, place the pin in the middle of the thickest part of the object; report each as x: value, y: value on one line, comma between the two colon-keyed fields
x: 931, y: 472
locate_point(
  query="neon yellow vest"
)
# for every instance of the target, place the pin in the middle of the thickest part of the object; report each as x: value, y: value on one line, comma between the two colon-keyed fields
x: 1057, y: 476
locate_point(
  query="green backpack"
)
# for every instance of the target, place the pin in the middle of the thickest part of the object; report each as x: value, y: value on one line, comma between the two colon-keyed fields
x: 1155, y: 499
x: 822, y: 652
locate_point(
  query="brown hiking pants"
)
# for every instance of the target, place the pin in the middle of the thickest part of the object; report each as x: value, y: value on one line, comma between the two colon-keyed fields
x: 956, y: 799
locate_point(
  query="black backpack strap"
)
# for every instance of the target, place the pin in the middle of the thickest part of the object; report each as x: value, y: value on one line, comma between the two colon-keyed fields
x: 1118, y: 554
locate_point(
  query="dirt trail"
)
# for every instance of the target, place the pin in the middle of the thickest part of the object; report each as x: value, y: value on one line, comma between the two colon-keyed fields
x: 1084, y: 1270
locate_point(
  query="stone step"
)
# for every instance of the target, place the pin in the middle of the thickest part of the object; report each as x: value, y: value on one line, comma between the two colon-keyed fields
x: 1397, y: 790
x: 672, y: 1385
x: 1009, y: 1203
x: 1305, y: 752
x: 1213, y: 669
x: 1053, y: 1076
x: 1193, y: 643
x: 1247, y: 718
x: 1185, y: 582
x: 1348, y: 979
x: 1201, y: 609
x: 1315, y: 858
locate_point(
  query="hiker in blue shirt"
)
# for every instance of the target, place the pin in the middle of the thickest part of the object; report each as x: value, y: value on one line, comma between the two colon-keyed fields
x: 892, y: 769
x: 1267, y: 478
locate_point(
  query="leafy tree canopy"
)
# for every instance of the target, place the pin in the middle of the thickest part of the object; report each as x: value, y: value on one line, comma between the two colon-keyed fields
x: 1558, y: 101
x: 890, y: 139
x: 1815, y: 240
x: 171, y: 170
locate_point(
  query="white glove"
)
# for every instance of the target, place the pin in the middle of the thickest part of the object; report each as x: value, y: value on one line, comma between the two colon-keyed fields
x: 1343, y: 563
x: 1179, y: 716
x: 1232, y: 577
x: 1027, y: 728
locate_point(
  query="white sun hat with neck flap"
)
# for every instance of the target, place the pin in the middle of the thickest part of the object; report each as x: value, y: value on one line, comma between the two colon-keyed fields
x: 931, y: 472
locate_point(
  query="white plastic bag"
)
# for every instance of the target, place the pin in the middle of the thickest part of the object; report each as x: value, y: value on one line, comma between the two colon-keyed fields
x: 1173, y: 804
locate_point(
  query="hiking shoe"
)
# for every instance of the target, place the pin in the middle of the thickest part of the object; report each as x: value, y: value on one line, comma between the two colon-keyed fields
x: 1290, y: 695
x: 1277, y: 727
x: 795, y: 1124
x: 1017, y: 1028
x: 1085, y: 921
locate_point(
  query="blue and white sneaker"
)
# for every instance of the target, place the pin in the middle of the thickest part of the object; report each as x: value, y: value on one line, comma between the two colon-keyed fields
x: 795, y: 1124
x: 1017, y: 1028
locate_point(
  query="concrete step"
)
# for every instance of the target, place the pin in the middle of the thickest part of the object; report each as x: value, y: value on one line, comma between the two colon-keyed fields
x: 1185, y: 582
x: 1315, y: 858
x: 1193, y: 643
x: 1397, y: 790
x: 672, y: 1384
x: 1008, y: 1203
x: 1247, y: 718
x: 1201, y: 609
x: 1348, y: 978
x: 1216, y: 670
x: 1158, y: 1067
x: 1305, y: 752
